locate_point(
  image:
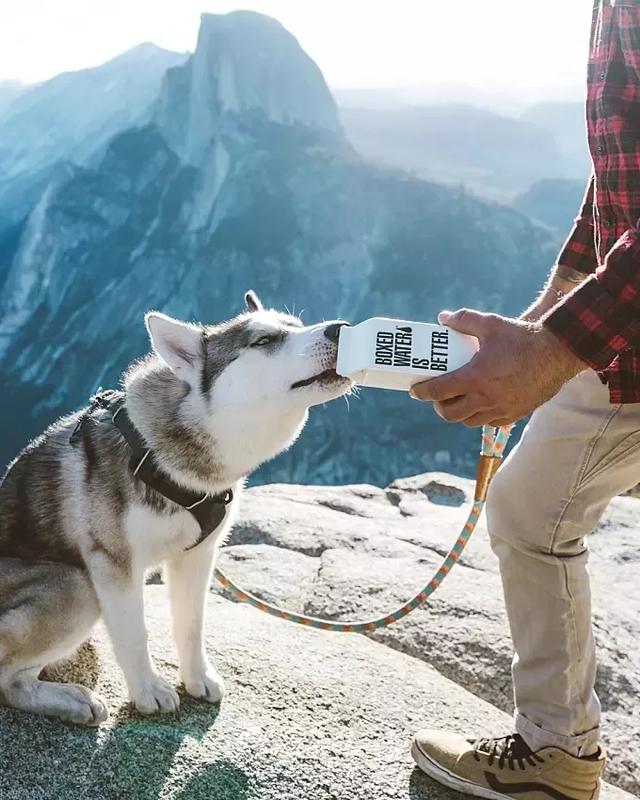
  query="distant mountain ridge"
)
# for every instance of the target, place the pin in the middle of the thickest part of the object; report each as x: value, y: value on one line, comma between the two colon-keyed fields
x: 492, y: 154
x: 70, y: 117
x: 554, y: 202
x: 240, y: 176
x: 568, y: 123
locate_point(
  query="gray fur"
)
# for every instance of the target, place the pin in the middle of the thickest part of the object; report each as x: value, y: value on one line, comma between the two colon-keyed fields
x: 222, y: 344
x: 78, y: 530
x: 152, y: 386
x: 38, y: 484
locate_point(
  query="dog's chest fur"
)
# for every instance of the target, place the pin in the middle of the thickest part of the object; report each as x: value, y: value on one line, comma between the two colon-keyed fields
x: 154, y: 537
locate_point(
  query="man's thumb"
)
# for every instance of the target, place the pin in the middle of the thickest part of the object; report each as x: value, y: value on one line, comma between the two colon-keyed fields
x: 465, y: 321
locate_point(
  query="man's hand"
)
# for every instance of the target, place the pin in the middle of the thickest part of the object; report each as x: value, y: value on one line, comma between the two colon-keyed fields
x: 519, y: 367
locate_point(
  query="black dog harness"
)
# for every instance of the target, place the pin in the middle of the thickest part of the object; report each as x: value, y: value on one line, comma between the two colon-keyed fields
x: 208, y: 510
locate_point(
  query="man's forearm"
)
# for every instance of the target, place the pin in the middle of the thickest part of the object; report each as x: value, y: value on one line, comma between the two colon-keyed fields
x: 576, y: 261
x: 562, y: 280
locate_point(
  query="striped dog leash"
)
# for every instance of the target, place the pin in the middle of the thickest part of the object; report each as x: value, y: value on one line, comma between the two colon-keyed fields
x: 494, y: 441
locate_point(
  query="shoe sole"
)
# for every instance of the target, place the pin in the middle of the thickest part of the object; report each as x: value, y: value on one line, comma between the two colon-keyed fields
x: 449, y: 779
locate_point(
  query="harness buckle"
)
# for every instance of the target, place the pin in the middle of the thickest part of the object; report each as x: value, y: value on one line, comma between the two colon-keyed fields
x: 197, y: 503
x: 228, y: 497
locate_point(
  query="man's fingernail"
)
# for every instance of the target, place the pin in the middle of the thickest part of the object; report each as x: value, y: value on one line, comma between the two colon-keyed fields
x: 444, y: 317
x: 413, y: 394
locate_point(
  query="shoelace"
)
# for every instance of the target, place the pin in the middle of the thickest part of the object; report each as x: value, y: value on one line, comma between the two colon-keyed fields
x: 509, y: 750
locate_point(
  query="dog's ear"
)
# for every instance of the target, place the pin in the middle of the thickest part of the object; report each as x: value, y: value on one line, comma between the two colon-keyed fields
x: 252, y: 301
x: 179, y: 344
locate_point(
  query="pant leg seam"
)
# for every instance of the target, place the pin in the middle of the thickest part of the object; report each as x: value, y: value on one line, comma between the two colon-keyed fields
x: 581, y: 474
x: 577, y: 656
x: 576, y: 660
x: 630, y: 444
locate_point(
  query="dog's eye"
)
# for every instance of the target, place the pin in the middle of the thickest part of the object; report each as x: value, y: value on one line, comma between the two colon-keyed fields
x: 264, y: 340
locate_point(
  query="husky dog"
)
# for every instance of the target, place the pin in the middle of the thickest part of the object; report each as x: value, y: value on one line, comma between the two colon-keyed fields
x: 78, y: 530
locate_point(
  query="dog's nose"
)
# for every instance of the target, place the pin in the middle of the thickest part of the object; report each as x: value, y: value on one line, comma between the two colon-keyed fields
x: 332, y: 331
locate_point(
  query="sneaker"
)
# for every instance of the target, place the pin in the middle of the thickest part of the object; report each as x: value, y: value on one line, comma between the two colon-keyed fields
x: 506, y: 767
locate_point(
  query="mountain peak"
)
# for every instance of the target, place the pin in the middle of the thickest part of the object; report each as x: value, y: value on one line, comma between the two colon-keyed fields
x: 243, y: 62
x: 240, y: 20
x: 142, y: 51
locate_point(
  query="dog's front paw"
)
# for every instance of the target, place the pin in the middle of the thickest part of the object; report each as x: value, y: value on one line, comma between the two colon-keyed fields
x: 208, y: 686
x: 77, y: 704
x: 155, y: 696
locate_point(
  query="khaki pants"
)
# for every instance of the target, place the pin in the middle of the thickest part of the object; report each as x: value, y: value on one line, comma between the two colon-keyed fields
x: 577, y: 452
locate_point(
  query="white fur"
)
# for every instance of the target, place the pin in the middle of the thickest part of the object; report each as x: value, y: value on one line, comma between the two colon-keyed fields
x: 177, y: 343
x: 251, y: 414
x: 156, y: 539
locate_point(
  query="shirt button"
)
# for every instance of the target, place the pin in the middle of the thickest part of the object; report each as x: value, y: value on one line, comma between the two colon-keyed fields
x: 607, y: 222
x: 599, y: 149
x: 603, y: 75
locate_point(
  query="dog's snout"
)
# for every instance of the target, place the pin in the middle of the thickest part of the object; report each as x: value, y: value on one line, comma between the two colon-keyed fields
x: 332, y: 331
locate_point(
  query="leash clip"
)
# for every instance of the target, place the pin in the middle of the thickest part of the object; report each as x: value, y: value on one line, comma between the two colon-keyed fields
x: 487, y: 468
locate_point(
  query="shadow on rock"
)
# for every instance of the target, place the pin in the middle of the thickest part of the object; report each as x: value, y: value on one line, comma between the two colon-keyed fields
x: 138, y: 753
x: 130, y: 760
x: 421, y: 787
x: 219, y: 781
x: 82, y: 667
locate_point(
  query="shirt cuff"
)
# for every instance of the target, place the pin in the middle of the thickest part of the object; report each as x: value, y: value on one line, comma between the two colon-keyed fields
x: 579, y: 250
x: 601, y: 317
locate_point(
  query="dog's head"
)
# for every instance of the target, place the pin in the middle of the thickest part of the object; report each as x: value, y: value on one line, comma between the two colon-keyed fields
x: 262, y: 360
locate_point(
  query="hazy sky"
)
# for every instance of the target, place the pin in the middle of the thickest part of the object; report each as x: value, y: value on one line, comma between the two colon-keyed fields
x: 357, y: 43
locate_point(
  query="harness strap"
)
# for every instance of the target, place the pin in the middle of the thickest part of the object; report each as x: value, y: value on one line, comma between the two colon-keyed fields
x: 208, y: 510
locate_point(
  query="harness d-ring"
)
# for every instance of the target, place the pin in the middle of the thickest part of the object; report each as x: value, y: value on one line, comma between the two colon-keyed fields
x: 494, y: 441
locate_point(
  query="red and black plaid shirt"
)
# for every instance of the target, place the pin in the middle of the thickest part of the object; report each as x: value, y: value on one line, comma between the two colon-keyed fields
x: 600, y: 320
